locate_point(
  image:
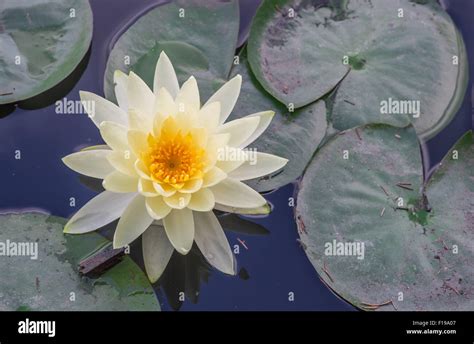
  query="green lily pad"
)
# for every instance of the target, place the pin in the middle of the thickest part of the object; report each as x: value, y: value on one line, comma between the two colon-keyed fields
x: 199, y: 37
x: 187, y: 59
x: 42, y: 43
x: 370, y: 53
x: 291, y: 135
x: 417, y: 246
x: 52, y: 281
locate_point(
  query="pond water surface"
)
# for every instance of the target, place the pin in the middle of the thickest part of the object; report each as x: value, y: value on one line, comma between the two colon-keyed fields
x: 272, y: 265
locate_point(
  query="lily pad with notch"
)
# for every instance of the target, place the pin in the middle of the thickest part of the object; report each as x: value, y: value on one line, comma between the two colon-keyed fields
x: 369, y: 52
x: 377, y: 235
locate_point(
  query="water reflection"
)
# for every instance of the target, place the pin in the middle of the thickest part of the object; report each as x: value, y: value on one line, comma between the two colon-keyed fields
x: 184, y: 275
x: 93, y: 184
x: 6, y: 109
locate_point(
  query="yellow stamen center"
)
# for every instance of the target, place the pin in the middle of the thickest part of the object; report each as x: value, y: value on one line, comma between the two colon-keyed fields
x: 174, y: 159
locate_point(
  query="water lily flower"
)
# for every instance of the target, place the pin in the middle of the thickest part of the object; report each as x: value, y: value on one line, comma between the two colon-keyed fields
x: 165, y: 166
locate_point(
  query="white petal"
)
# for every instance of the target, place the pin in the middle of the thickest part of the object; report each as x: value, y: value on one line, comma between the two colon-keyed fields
x: 240, y: 130
x: 178, y: 200
x: 209, y: 116
x: 233, y: 193
x: 119, y: 182
x: 137, y: 141
x: 164, y: 189
x: 145, y: 188
x: 258, y: 165
x: 157, y: 251
x: 139, y: 120
x: 213, y: 176
x: 157, y: 208
x: 265, y: 120
x: 100, y: 109
x: 203, y: 200
x: 227, y: 95
x: 164, y: 104
x: 165, y: 76
x: 120, y: 81
x: 215, y: 145
x: 115, y: 135
x: 133, y: 222
x: 188, y: 96
x: 217, y: 141
x: 212, y: 242
x: 92, y: 163
x: 191, y: 186
x: 263, y: 210
x: 139, y: 95
x: 123, y: 162
x: 179, y: 226
x: 99, y: 211
x: 200, y: 136
x: 231, y: 158
x: 95, y: 147
x: 142, y: 170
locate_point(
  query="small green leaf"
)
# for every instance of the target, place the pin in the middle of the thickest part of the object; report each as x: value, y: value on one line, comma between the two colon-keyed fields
x: 187, y: 60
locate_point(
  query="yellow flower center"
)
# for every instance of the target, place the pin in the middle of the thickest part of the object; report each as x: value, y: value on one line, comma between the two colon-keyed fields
x: 174, y: 159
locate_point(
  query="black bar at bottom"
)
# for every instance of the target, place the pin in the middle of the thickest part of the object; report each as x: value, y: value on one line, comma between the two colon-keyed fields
x: 59, y: 327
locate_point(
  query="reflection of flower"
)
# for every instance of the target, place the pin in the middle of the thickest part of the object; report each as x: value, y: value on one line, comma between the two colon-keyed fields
x: 163, y: 162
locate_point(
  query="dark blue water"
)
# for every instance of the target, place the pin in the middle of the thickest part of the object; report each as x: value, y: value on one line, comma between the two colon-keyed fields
x: 274, y: 264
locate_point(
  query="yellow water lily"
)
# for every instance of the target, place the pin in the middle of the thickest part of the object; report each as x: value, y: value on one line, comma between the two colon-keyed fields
x: 167, y: 163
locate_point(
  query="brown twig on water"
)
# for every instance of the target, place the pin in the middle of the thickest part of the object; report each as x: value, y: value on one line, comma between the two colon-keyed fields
x: 326, y: 271
x: 443, y: 243
x: 348, y: 102
x: 242, y: 243
x: 374, y: 306
x: 449, y: 286
x: 302, y: 244
x: 99, y: 262
x: 385, y: 191
x: 404, y: 186
x: 301, y: 225
x: 358, y: 134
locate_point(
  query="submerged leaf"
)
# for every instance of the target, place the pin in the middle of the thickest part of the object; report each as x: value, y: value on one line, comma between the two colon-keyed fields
x: 183, y: 30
